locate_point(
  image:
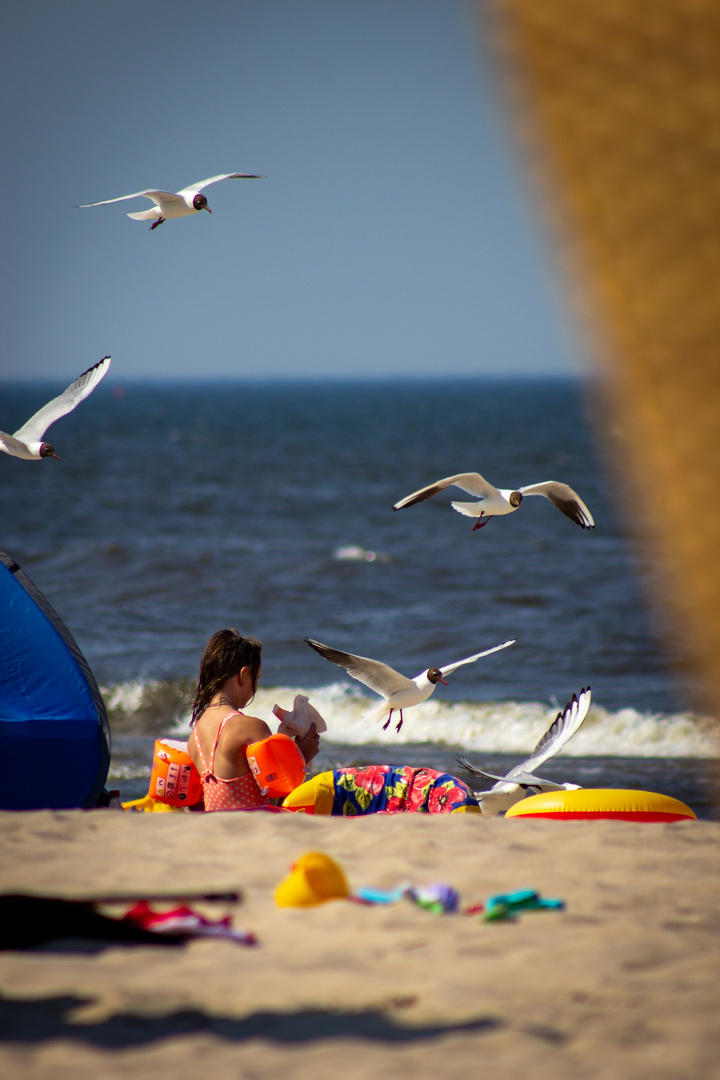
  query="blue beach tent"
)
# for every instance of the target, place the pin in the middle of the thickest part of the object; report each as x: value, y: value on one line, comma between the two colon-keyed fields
x: 54, y: 733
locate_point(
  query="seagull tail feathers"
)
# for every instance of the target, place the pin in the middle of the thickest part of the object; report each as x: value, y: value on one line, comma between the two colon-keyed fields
x: 378, y: 714
x: 468, y: 509
x: 144, y: 215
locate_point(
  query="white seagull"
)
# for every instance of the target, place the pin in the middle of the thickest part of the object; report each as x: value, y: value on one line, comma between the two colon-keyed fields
x: 27, y: 442
x: 177, y: 204
x: 495, y: 501
x: 521, y: 780
x: 399, y: 692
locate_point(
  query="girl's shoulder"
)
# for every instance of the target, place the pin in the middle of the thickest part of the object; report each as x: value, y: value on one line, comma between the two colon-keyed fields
x: 239, y: 728
x: 229, y: 732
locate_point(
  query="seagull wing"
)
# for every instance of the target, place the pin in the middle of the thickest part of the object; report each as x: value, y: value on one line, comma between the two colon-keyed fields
x: 565, y: 499
x: 562, y: 729
x: 471, y: 482
x: 471, y: 659
x: 156, y: 196
x: 11, y: 443
x: 526, y: 779
x: 215, y: 179
x: 505, y: 781
x: 38, y: 424
x: 379, y: 677
x: 463, y: 761
x: 503, y: 786
x: 523, y: 779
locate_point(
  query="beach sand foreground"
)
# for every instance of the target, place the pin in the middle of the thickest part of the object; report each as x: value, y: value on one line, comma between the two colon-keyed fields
x: 622, y: 984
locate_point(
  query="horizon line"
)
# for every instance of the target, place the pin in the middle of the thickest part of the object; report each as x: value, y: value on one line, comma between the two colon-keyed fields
x: 339, y: 379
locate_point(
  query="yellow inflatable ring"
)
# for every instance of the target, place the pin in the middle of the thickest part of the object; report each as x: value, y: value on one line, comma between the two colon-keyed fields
x: 602, y: 803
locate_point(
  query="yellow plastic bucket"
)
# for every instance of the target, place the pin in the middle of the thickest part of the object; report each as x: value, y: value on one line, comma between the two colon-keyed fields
x: 314, y: 879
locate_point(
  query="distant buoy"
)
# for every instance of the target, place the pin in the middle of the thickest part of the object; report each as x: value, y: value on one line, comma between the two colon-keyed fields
x: 602, y: 803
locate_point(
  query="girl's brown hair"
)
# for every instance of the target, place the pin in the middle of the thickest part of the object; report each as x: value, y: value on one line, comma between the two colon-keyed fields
x: 226, y: 653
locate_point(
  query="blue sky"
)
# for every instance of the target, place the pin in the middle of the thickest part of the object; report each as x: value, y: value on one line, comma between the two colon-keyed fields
x: 392, y: 236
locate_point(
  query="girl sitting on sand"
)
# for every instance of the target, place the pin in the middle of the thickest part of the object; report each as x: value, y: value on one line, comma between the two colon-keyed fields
x: 229, y: 674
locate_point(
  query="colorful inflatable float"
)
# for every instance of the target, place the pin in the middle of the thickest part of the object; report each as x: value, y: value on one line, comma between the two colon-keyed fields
x: 617, y: 803
x: 382, y: 789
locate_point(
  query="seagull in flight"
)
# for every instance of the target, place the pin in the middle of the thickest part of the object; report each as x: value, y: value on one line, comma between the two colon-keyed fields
x: 177, y: 204
x: 27, y: 442
x: 496, y: 501
x: 398, y: 691
x: 521, y: 780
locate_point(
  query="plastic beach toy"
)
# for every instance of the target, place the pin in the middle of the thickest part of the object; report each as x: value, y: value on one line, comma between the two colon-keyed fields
x: 509, y: 905
x: 438, y: 897
x: 314, y: 879
x: 148, y: 805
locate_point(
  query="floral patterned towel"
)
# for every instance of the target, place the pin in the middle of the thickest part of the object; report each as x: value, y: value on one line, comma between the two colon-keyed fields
x: 388, y: 789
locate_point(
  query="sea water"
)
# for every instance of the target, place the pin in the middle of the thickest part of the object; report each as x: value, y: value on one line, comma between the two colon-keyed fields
x: 178, y: 509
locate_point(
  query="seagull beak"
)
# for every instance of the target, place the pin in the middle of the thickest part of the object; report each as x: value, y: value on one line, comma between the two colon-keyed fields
x: 55, y: 456
x: 208, y: 209
x: 443, y: 681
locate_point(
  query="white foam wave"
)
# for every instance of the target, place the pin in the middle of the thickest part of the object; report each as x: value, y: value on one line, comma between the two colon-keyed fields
x: 489, y: 726
x: 126, y: 697
x: 147, y: 706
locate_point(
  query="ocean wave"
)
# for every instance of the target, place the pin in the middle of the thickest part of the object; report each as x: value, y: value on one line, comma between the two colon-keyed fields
x: 140, y: 707
x: 357, y: 553
x: 163, y: 708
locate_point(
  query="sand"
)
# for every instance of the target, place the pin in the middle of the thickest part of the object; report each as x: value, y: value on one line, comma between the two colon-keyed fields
x: 622, y: 984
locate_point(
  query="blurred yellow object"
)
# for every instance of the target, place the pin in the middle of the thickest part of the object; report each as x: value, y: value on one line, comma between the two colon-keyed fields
x: 315, y: 796
x: 148, y: 805
x: 314, y: 879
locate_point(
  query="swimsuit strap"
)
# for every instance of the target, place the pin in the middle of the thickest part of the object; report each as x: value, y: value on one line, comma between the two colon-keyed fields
x: 199, y: 748
x: 223, y: 722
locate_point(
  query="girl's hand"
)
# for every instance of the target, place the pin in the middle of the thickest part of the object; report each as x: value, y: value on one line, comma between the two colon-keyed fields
x: 309, y: 744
